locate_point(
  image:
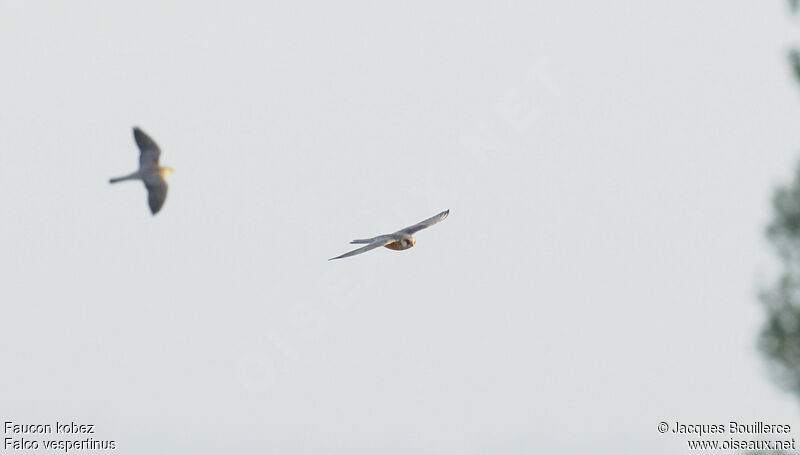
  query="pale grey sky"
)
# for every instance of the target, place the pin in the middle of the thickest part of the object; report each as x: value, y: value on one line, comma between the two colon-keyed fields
x: 608, y: 168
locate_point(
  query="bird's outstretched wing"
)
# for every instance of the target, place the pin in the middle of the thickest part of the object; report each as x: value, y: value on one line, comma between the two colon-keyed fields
x: 148, y: 158
x: 424, y: 224
x: 156, y: 192
x: 379, y: 241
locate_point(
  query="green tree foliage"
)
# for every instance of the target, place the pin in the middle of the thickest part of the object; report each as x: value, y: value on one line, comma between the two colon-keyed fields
x: 780, y: 336
x: 779, y: 339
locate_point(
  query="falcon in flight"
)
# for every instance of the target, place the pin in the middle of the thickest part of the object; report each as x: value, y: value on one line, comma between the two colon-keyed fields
x: 400, y: 240
x: 149, y: 171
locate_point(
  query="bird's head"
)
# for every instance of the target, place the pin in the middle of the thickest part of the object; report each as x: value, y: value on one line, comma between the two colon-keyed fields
x: 164, y: 170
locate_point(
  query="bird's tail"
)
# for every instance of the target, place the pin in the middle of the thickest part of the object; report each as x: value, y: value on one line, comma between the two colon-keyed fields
x: 363, y: 240
x: 122, y: 179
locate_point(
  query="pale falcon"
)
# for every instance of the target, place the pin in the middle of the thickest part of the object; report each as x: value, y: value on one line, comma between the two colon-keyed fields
x: 400, y: 240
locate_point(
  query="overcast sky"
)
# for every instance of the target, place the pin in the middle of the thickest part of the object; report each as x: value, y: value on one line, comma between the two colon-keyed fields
x: 608, y: 169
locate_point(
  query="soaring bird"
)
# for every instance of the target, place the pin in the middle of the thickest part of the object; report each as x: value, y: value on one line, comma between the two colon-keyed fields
x: 400, y: 240
x: 149, y: 170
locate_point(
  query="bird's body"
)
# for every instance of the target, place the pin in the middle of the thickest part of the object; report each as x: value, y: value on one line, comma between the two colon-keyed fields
x: 400, y: 240
x: 149, y: 172
x: 404, y: 243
